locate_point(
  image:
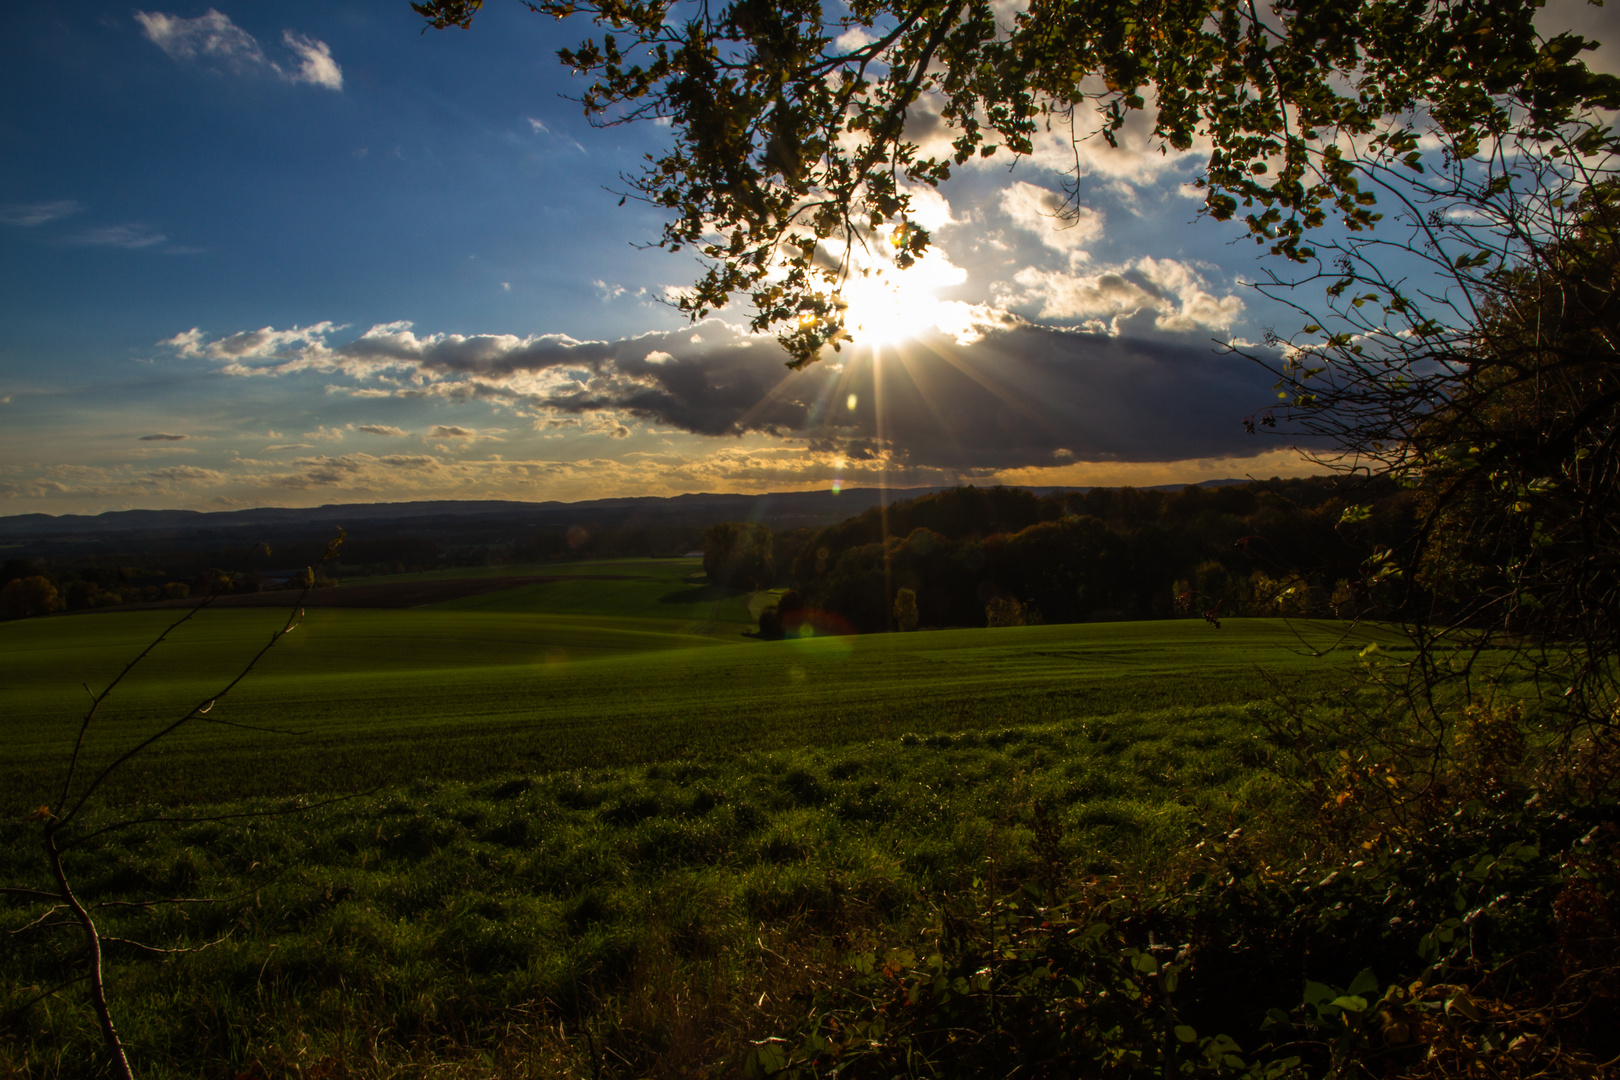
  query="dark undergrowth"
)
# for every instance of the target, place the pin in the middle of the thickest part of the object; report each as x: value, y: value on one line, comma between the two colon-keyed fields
x: 1169, y: 894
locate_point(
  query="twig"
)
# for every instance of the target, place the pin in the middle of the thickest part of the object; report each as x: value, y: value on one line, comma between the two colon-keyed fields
x: 167, y: 952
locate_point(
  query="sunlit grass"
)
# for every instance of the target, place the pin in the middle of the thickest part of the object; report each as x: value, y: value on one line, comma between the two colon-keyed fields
x: 385, y: 696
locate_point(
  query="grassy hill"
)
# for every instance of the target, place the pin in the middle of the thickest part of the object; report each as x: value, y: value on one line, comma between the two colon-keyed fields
x: 636, y: 662
x: 601, y: 830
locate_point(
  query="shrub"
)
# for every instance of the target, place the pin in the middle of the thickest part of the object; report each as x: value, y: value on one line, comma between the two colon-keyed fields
x: 1004, y: 611
x: 905, y: 609
x: 27, y: 596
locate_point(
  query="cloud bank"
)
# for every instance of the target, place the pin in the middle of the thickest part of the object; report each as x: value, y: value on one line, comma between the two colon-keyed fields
x: 1019, y: 395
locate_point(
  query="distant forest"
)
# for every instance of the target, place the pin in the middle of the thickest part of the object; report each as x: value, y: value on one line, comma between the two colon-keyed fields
x: 972, y: 556
x: 969, y: 555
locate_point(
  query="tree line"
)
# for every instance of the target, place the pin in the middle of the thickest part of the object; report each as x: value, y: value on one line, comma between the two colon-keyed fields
x: 995, y: 556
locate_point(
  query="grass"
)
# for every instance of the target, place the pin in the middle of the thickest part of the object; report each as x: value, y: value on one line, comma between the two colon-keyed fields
x: 597, y: 820
x: 384, y: 697
x: 650, y: 903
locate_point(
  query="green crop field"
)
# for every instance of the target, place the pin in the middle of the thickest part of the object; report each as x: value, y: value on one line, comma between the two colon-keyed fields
x: 590, y: 801
x: 525, y: 678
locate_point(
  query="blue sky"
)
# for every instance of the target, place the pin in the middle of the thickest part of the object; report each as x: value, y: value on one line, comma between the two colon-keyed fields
x: 302, y: 253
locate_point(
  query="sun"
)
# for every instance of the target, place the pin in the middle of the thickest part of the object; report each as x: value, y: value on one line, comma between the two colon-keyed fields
x: 888, y: 305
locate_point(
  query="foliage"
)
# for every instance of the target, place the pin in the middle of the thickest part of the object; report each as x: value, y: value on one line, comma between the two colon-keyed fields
x: 738, y: 554
x: 905, y: 609
x: 1274, y: 548
x: 1004, y: 611
x: 25, y: 596
x: 1489, y: 389
x: 1470, y: 947
x: 795, y: 151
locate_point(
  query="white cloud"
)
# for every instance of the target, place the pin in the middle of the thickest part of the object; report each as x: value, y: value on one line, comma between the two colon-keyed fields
x: 1047, y: 214
x: 1146, y: 294
x: 381, y: 429
x: 212, y: 37
x: 325, y: 434
x: 28, y: 215
x: 315, y: 63
x: 856, y: 37
x: 928, y: 208
x: 455, y: 431
x: 133, y: 237
x: 264, y: 344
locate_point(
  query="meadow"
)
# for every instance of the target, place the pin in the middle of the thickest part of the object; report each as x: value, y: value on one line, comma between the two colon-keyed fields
x: 646, y: 665
x: 593, y: 817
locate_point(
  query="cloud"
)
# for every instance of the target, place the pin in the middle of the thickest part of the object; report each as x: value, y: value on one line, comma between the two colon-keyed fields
x: 453, y: 431
x: 1046, y: 213
x: 249, y: 344
x: 133, y: 237
x: 1073, y: 144
x: 188, y: 474
x: 316, y: 65
x: 28, y: 215
x: 381, y: 429
x: 1141, y: 296
x: 1010, y: 397
x: 164, y: 437
x: 325, y: 434
x: 213, y: 38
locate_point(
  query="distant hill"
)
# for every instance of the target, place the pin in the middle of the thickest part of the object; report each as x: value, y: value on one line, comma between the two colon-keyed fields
x: 779, y: 510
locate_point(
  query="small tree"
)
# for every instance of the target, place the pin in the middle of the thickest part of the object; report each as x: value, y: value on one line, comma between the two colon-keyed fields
x: 905, y: 609
x: 1004, y: 611
x: 27, y: 596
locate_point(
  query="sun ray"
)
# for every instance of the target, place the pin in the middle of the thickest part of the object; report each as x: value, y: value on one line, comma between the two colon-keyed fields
x: 931, y: 403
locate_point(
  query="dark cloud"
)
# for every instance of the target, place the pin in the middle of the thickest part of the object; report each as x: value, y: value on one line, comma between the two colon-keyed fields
x: 1021, y: 395
x: 163, y: 437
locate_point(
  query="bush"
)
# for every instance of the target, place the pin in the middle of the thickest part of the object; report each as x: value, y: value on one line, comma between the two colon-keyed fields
x: 1004, y: 611
x: 905, y: 609
x: 27, y: 596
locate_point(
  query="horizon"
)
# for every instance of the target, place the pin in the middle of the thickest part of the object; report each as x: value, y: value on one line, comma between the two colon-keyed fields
x: 888, y: 494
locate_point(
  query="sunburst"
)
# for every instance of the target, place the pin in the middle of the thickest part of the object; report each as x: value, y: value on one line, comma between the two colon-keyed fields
x: 888, y: 305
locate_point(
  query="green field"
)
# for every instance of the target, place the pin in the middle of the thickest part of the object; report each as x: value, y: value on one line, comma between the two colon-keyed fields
x: 526, y: 679
x: 601, y: 812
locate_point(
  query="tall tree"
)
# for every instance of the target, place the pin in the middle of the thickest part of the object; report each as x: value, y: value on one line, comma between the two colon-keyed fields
x: 794, y: 136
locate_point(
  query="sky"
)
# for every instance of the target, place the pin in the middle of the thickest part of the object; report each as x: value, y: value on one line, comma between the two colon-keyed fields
x: 291, y: 254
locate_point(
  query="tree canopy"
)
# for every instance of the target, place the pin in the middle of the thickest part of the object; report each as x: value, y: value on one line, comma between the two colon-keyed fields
x: 795, y: 123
